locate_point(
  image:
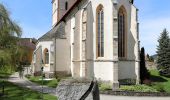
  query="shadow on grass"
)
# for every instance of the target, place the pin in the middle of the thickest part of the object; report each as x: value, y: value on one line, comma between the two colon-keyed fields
x: 157, y: 78
x: 165, y: 75
x: 51, y: 83
x: 14, y: 92
x: 4, y: 75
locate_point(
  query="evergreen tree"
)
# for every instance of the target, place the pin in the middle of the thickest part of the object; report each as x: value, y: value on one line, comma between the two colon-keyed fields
x: 144, y: 74
x: 163, y: 52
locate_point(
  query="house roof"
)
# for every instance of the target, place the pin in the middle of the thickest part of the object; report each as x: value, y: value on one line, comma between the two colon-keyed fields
x: 46, y: 36
x: 58, y: 32
x: 27, y: 42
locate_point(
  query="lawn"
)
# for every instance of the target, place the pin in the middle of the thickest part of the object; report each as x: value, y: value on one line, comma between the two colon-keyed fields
x: 4, y: 75
x: 138, y: 88
x: 5, y: 72
x: 14, y: 92
x: 135, y: 88
x: 160, y: 83
x: 38, y: 79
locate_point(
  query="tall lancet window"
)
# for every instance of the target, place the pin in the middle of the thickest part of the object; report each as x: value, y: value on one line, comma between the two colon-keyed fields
x: 46, y: 56
x: 122, y: 32
x: 84, y: 33
x: 100, y: 31
x: 66, y: 5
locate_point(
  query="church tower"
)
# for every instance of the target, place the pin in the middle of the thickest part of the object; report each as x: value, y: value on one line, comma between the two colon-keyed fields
x: 54, y: 12
x: 60, y: 7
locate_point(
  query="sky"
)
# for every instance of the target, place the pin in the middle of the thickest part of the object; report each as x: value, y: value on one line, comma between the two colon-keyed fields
x: 35, y: 18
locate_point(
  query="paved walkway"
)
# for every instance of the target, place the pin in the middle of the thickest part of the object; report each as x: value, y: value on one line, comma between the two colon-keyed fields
x: 27, y: 84
x: 110, y: 97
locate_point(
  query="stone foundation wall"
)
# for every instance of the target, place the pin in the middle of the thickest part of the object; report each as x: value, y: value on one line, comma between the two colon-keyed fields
x: 53, y: 74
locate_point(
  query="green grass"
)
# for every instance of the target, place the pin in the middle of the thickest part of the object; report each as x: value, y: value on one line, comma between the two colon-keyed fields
x: 4, y: 75
x: 160, y: 83
x: 5, y: 72
x: 13, y: 92
x: 105, y: 86
x: 138, y: 88
x: 50, y: 83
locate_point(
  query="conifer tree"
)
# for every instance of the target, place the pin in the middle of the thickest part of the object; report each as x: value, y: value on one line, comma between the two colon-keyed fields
x: 144, y: 74
x: 163, y: 52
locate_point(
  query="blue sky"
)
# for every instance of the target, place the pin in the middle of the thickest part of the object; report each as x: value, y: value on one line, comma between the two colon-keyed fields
x: 34, y: 16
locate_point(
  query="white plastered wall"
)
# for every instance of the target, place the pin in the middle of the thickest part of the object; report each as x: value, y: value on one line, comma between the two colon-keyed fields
x: 44, y: 45
x: 62, y: 56
x: 103, y: 67
x: 129, y: 68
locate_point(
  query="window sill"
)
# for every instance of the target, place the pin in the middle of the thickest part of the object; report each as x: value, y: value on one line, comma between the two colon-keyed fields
x: 46, y: 65
x: 100, y: 58
x: 123, y: 59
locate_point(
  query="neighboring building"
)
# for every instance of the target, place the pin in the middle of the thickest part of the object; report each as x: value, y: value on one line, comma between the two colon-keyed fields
x: 44, y: 54
x: 29, y: 45
x: 95, y: 38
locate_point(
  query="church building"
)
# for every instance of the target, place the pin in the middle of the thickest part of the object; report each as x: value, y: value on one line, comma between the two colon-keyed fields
x: 91, y: 39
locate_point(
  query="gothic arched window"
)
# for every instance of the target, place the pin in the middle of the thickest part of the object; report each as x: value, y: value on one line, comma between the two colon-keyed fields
x: 66, y: 5
x: 84, y: 32
x: 100, y: 31
x: 122, y: 32
x: 46, y: 56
